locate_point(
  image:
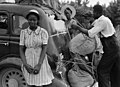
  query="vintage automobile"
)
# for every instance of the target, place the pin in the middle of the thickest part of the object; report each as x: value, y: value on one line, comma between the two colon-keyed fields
x: 12, y: 20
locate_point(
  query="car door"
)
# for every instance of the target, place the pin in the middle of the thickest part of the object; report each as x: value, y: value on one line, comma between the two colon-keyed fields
x: 4, y: 34
x: 19, y: 23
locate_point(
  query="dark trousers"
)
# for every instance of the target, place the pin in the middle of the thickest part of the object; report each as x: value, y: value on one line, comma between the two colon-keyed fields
x: 109, y: 67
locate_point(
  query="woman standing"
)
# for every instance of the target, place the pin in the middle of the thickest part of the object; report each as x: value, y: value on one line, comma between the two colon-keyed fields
x: 68, y: 13
x: 33, y: 45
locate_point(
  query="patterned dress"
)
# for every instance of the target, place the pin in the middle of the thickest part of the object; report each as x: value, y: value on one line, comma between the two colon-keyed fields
x: 33, y: 40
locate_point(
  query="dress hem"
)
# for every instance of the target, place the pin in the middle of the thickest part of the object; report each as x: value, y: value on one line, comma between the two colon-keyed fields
x: 47, y: 83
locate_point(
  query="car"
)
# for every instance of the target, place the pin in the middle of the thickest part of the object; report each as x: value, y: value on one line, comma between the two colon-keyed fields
x: 12, y: 21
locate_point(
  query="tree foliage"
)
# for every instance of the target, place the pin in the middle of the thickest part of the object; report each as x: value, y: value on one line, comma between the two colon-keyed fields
x: 85, y: 2
x: 112, y: 12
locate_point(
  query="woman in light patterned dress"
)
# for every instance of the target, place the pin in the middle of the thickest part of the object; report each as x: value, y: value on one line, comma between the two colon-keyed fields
x: 33, y: 44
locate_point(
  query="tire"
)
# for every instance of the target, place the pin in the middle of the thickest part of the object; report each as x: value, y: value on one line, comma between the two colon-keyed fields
x: 12, y: 77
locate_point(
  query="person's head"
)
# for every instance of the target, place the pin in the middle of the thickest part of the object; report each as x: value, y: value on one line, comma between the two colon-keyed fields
x: 33, y: 18
x: 97, y: 11
x: 68, y: 13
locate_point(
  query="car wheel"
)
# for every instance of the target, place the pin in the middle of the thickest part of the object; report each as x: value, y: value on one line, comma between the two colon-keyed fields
x: 12, y: 77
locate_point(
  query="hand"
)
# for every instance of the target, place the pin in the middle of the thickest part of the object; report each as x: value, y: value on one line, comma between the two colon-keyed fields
x: 74, y: 26
x: 37, y: 68
x: 29, y: 68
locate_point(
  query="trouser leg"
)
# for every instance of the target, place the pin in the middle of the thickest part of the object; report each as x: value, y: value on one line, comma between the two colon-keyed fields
x: 115, y: 74
x: 104, y: 68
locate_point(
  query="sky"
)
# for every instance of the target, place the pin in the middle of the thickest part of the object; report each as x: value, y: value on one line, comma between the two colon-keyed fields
x: 93, y: 2
x: 7, y: 0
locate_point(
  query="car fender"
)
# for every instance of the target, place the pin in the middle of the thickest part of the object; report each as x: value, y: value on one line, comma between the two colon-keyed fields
x: 11, y: 60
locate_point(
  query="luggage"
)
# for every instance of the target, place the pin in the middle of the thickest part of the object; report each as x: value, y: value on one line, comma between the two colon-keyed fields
x: 82, y: 44
x: 79, y: 78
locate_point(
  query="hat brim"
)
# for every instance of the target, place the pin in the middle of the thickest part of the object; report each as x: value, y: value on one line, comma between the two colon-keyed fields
x: 71, y: 8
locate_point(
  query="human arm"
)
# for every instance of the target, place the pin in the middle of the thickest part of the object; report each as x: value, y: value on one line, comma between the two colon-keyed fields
x: 76, y: 26
x: 43, y: 51
x: 22, y: 54
x: 80, y: 28
x: 41, y: 59
x: 22, y: 49
x: 98, y: 27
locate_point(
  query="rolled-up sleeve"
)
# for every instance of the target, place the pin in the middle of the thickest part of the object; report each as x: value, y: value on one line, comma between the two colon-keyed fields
x: 45, y: 36
x: 98, y: 27
x: 22, y: 38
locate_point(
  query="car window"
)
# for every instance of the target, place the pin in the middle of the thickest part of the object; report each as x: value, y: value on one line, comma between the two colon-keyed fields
x: 3, y: 23
x: 19, y: 23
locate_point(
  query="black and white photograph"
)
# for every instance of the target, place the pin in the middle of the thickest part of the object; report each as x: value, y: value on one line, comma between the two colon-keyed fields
x: 59, y: 43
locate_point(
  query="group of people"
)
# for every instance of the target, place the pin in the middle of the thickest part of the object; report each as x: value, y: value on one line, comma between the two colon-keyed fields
x: 34, y: 40
x: 108, y: 68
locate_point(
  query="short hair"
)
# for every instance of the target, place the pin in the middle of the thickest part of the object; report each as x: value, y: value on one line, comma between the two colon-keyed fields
x: 98, y: 9
x: 33, y: 13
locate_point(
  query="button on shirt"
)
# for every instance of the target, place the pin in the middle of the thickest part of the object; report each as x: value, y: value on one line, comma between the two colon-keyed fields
x: 102, y: 25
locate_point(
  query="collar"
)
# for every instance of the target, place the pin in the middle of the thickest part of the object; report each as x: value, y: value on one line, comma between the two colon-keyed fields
x: 100, y: 18
x: 36, y: 31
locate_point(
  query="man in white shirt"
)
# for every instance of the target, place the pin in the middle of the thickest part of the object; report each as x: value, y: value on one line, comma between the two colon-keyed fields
x: 108, y: 70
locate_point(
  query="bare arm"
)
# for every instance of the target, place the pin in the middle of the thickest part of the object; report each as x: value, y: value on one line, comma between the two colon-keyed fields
x: 22, y: 54
x: 43, y: 53
x: 41, y: 59
x: 28, y: 67
x: 22, y: 48
x: 81, y: 29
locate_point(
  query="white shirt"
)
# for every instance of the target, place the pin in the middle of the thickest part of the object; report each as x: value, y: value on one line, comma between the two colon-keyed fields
x: 103, y: 25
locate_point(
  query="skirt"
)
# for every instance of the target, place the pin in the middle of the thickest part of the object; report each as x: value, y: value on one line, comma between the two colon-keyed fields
x: 45, y: 75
